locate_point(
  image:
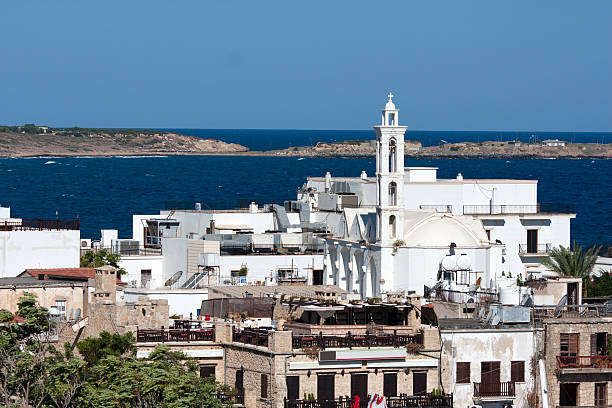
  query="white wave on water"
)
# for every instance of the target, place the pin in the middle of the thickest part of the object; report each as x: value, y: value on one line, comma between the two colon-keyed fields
x: 301, y: 158
x: 50, y: 162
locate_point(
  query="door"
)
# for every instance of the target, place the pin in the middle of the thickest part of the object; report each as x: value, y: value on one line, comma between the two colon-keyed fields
x: 419, y: 383
x: 490, y: 378
x: 568, y: 394
x: 601, y: 394
x: 572, y: 293
x: 390, y: 385
x: 359, y: 386
x: 239, y: 385
x: 532, y: 241
x: 317, y: 277
x: 325, y: 387
x: 145, y: 278
x: 293, y: 387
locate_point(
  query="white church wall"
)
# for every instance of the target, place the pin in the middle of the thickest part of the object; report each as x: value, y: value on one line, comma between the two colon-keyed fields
x: 20, y: 250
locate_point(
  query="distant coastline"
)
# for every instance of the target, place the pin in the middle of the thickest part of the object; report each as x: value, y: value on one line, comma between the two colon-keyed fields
x: 40, y: 141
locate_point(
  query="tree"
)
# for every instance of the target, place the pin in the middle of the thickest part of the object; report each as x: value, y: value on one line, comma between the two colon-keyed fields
x: 94, y: 349
x: 601, y: 285
x: 96, y: 259
x: 572, y: 262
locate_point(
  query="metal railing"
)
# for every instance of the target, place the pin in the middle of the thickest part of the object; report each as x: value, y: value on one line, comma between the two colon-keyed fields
x: 356, y: 340
x: 535, y: 249
x: 584, y: 362
x: 488, y: 209
x: 441, y: 208
x: 39, y: 225
x: 247, y: 248
x: 229, y: 399
x: 140, y: 250
x: 255, y: 337
x: 495, y: 389
x: 402, y: 401
x: 174, y: 335
x: 540, y: 313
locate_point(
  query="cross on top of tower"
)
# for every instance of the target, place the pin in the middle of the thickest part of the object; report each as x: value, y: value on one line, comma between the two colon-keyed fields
x: 390, y: 96
x: 390, y: 105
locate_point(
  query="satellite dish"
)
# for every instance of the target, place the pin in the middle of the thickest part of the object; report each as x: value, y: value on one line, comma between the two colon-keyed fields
x: 481, y: 312
x: 77, y: 315
x: 527, y: 301
x: 496, y: 320
x: 562, y: 302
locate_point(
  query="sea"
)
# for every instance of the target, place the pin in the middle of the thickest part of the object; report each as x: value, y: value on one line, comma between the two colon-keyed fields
x: 104, y: 192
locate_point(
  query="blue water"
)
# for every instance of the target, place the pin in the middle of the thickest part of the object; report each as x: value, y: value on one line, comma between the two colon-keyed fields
x: 105, y: 192
x: 259, y: 139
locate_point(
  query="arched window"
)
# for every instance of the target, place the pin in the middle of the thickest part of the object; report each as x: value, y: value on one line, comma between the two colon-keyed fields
x: 392, y: 226
x: 392, y: 156
x: 392, y: 193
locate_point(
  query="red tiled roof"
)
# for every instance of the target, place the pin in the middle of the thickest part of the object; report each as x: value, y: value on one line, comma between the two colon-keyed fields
x: 18, y: 319
x: 66, y: 273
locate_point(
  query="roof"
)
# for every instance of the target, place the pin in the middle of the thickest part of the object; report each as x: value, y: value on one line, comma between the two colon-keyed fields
x: 429, y: 229
x: 79, y: 274
x: 262, y: 291
x: 22, y: 282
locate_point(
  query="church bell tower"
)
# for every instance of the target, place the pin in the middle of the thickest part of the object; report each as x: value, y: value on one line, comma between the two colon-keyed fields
x: 389, y: 175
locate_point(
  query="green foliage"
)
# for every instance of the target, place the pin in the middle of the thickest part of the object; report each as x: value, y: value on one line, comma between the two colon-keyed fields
x: 519, y: 280
x: 454, y: 148
x: 243, y: 271
x: 5, y: 316
x: 95, y: 349
x: 572, y: 262
x: 31, y: 128
x: 601, y: 285
x: 96, y: 259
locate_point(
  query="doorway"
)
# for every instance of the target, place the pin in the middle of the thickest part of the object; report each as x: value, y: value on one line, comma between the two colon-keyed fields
x: 325, y: 387
x: 532, y: 241
x: 419, y: 383
x: 359, y: 386
x: 568, y: 394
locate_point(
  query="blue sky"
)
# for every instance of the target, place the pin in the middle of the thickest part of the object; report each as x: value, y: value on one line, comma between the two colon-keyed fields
x: 453, y: 65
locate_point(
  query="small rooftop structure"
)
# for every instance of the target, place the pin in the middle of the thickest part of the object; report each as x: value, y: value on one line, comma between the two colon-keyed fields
x: 307, y: 291
x: 76, y: 274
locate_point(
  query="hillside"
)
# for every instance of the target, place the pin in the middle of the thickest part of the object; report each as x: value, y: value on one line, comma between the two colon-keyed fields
x: 30, y: 140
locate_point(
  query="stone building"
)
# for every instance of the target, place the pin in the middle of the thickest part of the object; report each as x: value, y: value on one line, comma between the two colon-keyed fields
x: 578, y: 359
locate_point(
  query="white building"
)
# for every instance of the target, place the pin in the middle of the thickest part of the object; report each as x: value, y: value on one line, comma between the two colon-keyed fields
x: 397, y: 227
x: 554, y: 142
x: 488, y: 366
x: 30, y: 244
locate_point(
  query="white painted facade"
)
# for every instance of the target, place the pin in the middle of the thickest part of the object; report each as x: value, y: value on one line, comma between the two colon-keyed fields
x: 398, y: 243
x: 23, y: 249
x: 479, y: 345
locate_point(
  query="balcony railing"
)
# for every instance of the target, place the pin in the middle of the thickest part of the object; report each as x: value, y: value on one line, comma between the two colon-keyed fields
x: 402, y: 401
x: 357, y: 340
x: 39, y: 225
x: 174, y: 335
x: 496, y: 389
x: 441, y: 208
x: 518, y: 209
x: 535, y: 249
x: 255, y: 337
x: 584, y: 362
x: 229, y: 399
x: 541, y: 313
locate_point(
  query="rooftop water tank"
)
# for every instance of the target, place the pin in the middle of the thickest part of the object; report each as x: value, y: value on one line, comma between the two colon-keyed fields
x: 464, y: 262
x: 449, y: 263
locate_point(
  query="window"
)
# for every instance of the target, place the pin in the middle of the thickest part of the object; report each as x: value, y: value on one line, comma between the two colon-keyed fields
x: 488, y: 234
x: 317, y: 276
x: 517, y: 373
x: 293, y: 387
x: 264, y: 386
x: 568, y: 394
x: 489, y: 372
x: 392, y: 156
x: 601, y: 394
x: 392, y: 226
x: 60, y: 305
x: 569, y: 344
x: 599, y: 344
x: 463, y: 373
x: 207, y: 371
x: 390, y: 385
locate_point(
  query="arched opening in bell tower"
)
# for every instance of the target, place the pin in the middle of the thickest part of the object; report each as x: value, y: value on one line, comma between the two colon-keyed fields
x: 392, y: 193
x: 392, y: 156
x: 392, y: 226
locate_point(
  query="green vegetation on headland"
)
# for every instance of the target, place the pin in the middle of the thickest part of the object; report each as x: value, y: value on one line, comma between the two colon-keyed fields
x: 104, y: 373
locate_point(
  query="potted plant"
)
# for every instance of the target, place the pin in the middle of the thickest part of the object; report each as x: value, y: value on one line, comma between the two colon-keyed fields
x: 397, y: 244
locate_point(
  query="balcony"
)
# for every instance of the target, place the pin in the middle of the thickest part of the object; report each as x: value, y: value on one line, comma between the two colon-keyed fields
x: 539, y: 249
x: 39, y: 225
x: 356, y: 340
x: 584, y: 363
x: 505, y: 209
x: 255, y: 337
x: 427, y: 400
x: 175, y: 335
x: 494, y: 390
x: 439, y: 208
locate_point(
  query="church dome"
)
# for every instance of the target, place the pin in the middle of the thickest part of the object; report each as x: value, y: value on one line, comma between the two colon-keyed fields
x: 390, y: 106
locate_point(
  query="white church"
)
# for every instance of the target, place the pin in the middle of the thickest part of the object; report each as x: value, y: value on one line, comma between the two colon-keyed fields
x: 405, y: 229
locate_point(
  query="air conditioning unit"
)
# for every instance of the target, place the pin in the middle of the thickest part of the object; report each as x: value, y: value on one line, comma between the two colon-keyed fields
x: 85, y: 243
x: 125, y: 246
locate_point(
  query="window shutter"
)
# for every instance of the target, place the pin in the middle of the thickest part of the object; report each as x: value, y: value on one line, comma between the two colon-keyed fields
x: 517, y: 373
x: 264, y: 386
x: 463, y: 372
